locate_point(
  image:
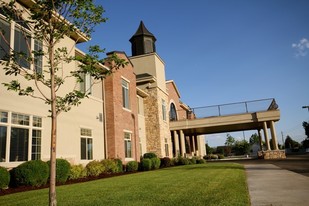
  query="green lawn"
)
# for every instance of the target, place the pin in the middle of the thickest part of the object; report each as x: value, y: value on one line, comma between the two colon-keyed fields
x: 203, y: 184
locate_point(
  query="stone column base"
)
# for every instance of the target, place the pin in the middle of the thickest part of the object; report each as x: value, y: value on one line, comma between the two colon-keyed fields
x: 272, y: 154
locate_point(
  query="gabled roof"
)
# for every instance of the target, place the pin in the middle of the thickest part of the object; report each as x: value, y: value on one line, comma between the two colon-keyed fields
x: 174, y: 85
x: 143, y: 31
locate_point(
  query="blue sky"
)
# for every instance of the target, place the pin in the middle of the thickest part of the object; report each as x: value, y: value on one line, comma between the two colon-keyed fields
x: 223, y: 51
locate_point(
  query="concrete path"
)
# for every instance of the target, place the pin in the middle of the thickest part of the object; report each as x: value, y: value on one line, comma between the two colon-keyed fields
x: 270, y: 185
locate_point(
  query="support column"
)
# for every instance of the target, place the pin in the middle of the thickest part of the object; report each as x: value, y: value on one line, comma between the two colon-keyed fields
x: 273, y: 135
x: 266, y: 135
x: 260, y: 139
x: 176, y: 143
x: 199, y: 146
x: 193, y: 145
x: 182, y: 143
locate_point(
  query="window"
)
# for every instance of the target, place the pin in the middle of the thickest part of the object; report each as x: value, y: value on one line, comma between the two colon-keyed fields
x: 125, y: 94
x: 19, y: 131
x: 173, y: 114
x: 21, y: 43
x: 86, y: 85
x: 4, y: 42
x: 38, y: 64
x: 163, y: 109
x: 127, y: 145
x: 166, y: 148
x: 36, y: 144
x: 86, y: 146
x: 3, y: 132
x: 19, y: 144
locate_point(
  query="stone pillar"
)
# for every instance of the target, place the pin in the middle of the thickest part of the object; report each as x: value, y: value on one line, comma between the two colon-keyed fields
x: 260, y: 139
x: 199, y: 146
x: 176, y: 143
x: 273, y: 135
x: 182, y: 143
x: 266, y: 135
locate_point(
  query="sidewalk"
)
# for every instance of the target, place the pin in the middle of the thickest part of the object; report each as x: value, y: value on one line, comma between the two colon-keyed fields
x: 270, y: 185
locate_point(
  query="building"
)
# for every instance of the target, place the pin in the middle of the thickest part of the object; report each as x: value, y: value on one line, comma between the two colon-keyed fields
x: 125, y: 116
x: 25, y: 126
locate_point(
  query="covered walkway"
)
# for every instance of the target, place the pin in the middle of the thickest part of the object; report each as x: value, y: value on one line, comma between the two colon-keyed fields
x: 252, y: 115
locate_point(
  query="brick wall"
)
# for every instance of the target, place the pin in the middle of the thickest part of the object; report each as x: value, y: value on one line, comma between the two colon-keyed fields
x: 119, y: 119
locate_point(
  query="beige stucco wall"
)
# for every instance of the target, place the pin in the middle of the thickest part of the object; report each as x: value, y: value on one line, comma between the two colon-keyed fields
x: 152, y: 64
x: 69, y: 123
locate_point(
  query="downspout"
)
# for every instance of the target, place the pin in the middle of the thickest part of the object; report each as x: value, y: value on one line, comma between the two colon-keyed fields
x: 104, y: 121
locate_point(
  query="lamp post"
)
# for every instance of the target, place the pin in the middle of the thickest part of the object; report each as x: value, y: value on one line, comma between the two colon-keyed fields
x: 304, y: 107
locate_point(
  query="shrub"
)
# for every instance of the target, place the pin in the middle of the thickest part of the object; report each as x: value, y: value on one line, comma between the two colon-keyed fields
x: 119, y: 165
x: 62, y: 170
x: 132, y: 166
x: 213, y: 156
x: 166, y: 162
x: 109, y: 165
x: 149, y: 155
x: 77, y: 171
x: 155, y: 163
x: 4, y: 178
x: 182, y: 161
x: 94, y: 168
x: 200, y: 161
x: 174, y: 161
x: 33, y: 173
x: 220, y: 156
x: 193, y: 160
x: 146, y: 164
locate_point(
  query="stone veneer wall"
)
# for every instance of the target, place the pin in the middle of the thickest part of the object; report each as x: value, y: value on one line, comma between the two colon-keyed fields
x: 272, y: 154
x: 156, y: 129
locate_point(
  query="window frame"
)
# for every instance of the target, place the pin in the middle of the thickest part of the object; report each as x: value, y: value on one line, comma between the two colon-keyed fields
x: 128, y: 153
x: 86, y: 136
x: 163, y: 110
x: 19, y: 123
x: 18, y: 25
x: 125, y: 87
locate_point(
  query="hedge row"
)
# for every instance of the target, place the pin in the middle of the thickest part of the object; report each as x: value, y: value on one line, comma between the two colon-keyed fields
x: 36, y: 172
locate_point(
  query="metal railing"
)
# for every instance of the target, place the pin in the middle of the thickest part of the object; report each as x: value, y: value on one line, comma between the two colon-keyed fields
x: 231, y: 109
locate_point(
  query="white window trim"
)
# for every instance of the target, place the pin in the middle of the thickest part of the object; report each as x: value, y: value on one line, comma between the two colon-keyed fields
x: 86, y: 137
x: 129, y: 98
x: 9, y: 125
x: 13, y: 25
x: 131, y: 133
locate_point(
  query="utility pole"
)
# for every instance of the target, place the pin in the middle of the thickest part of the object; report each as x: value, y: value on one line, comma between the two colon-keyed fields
x: 282, y: 138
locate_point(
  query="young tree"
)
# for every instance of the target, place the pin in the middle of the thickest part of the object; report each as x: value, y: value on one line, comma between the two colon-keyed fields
x: 242, y: 147
x: 49, y: 22
x: 230, y: 141
x: 290, y: 143
x: 254, y: 139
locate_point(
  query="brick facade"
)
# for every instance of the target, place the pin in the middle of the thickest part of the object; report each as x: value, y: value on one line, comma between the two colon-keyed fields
x: 119, y: 119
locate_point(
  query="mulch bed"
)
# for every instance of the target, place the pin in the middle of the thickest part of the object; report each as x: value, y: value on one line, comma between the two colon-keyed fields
x: 24, y: 188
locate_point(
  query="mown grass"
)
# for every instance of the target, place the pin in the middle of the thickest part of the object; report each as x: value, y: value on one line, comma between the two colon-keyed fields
x: 204, y: 184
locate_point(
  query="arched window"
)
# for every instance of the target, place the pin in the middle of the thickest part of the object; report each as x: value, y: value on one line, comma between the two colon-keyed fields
x: 173, y: 114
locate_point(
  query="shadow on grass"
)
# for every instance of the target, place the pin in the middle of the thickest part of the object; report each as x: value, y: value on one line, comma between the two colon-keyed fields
x: 209, y: 167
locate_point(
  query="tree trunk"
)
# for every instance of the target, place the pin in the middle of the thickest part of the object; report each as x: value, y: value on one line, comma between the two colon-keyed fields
x: 52, y: 180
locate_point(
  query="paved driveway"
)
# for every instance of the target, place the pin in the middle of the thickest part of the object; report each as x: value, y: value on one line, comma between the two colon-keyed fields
x: 278, y: 182
x: 294, y: 163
